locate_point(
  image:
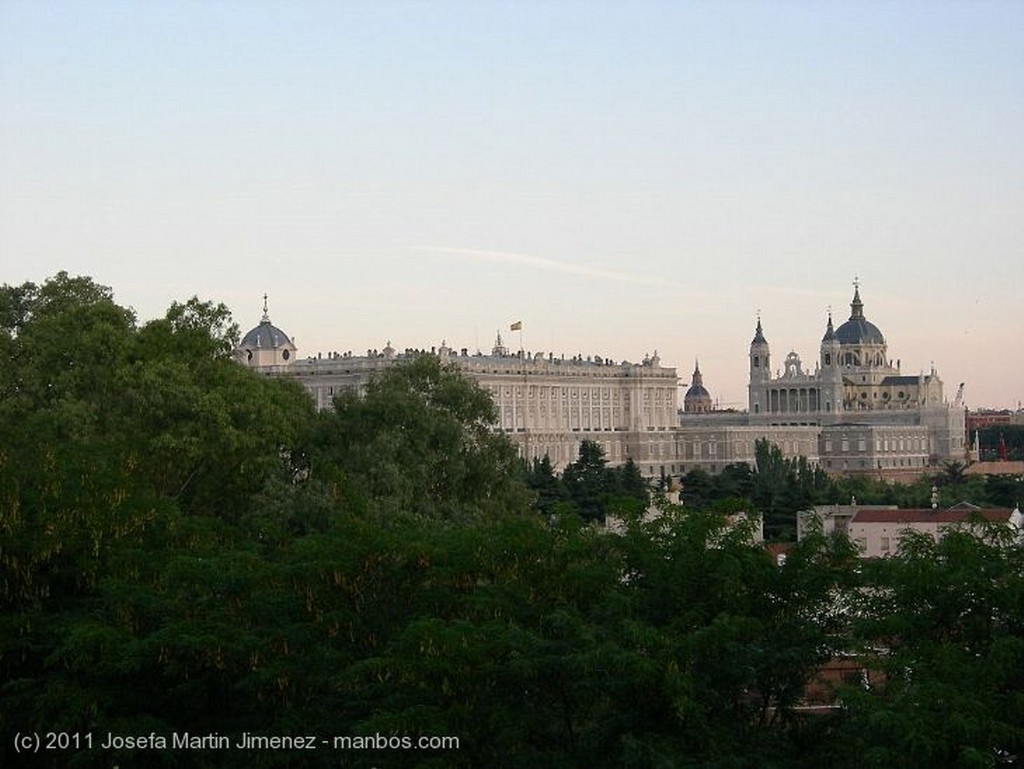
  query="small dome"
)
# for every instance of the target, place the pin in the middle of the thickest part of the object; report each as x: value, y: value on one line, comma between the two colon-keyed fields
x: 697, y: 398
x: 266, y: 337
x: 696, y: 391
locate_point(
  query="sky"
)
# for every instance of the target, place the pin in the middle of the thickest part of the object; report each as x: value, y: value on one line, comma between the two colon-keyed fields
x: 623, y: 178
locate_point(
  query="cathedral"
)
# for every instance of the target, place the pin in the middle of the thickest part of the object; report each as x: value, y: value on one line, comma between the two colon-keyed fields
x: 854, y: 412
x: 853, y: 374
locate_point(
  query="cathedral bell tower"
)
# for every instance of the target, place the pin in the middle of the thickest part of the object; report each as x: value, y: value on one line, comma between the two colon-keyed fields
x: 831, y: 397
x: 760, y: 371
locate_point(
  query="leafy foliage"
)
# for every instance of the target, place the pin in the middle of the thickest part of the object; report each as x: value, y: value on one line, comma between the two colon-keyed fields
x: 188, y: 547
x: 588, y: 487
x: 418, y: 443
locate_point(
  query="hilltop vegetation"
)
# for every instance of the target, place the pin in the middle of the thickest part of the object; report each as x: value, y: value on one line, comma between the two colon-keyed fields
x: 188, y: 547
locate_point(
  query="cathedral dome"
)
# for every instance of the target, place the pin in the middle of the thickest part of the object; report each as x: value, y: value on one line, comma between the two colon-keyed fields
x: 859, y: 332
x: 858, y: 329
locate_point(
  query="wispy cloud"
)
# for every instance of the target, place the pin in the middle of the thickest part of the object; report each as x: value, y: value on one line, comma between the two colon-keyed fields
x: 542, y: 263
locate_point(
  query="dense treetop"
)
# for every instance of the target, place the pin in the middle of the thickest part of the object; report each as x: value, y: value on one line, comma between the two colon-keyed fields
x: 188, y: 547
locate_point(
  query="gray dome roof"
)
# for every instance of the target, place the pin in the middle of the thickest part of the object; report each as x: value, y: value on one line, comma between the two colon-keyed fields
x: 266, y: 337
x: 858, y: 329
x: 696, y: 391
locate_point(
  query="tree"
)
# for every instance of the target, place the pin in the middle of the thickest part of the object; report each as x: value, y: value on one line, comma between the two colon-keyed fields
x: 783, y: 486
x: 735, y: 480
x: 127, y: 457
x: 597, y: 490
x: 552, y: 495
x: 729, y: 641
x: 632, y: 484
x: 698, y: 489
x: 589, y: 481
x: 948, y: 617
x: 419, y: 442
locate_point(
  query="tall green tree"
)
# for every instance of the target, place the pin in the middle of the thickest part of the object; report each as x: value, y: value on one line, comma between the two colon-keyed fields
x: 597, y: 490
x: 552, y: 495
x: 782, y: 486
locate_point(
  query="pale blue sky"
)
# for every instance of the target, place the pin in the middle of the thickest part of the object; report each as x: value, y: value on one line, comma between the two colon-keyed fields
x: 622, y: 177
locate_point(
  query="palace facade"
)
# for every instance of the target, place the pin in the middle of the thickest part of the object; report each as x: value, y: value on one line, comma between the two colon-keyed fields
x: 854, y: 413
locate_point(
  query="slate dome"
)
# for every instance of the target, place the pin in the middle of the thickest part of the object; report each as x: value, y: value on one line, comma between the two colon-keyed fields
x: 266, y: 336
x: 858, y: 329
x: 697, y: 391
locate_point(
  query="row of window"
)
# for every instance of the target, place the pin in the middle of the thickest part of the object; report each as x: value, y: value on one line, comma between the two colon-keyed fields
x: 588, y: 418
x: 595, y: 393
x: 881, y: 445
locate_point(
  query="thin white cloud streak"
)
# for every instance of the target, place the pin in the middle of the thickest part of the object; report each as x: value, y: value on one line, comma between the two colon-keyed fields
x: 550, y: 265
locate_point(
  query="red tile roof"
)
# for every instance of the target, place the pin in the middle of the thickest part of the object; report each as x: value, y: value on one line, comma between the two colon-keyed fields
x: 926, y: 515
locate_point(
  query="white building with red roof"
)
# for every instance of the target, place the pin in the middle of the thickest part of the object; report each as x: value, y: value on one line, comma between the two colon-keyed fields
x: 877, y: 532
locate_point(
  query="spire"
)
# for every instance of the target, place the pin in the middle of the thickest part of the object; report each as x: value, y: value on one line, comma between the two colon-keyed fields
x: 266, y: 314
x: 830, y: 332
x: 759, y: 333
x: 698, y: 379
x: 856, y: 306
x: 499, y: 349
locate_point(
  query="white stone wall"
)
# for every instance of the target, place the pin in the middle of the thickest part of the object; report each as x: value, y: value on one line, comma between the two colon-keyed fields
x: 545, y: 405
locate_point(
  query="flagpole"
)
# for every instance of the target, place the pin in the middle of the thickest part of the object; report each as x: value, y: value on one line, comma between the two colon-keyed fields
x: 523, y: 407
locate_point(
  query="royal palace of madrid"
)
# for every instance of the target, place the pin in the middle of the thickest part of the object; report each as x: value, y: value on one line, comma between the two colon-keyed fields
x: 853, y: 413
